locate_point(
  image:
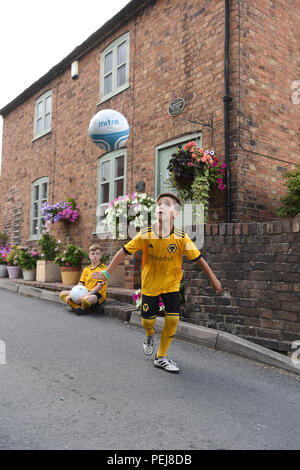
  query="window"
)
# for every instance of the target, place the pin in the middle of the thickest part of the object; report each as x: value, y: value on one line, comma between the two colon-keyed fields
x: 115, y: 67
x: 39, y: 196
x: 112, y: 182
x: 43, y: 111
x: 163, y: 156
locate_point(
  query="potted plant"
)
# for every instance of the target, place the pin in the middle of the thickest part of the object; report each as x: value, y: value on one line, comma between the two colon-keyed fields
x: 194, y: 172
x: 12, y: 258
x: 46, y: 270
x: 4, y: 250
x: 69, y: 261
x: 27, y: 262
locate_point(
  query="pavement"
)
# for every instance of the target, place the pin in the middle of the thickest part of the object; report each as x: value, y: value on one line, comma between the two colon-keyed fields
x: 209, y: 337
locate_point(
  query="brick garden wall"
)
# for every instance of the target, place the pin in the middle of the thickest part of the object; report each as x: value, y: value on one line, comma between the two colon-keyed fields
x: 258, y: 265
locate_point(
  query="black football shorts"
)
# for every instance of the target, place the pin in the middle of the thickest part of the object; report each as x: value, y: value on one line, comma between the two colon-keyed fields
x: 150, y: 305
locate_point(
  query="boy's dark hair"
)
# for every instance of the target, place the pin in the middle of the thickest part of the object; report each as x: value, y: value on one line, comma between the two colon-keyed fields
x: 172, y: 196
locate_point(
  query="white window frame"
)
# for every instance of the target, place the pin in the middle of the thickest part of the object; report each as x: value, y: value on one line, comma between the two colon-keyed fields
x: 111, y: 157
x: 172, y: 143
x: 44, y: 130
x: 39, y: 182
x: 113, y: 48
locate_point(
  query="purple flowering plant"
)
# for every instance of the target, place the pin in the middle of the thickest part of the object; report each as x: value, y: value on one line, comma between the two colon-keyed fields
x: 66, y: 211
x: 4, y: 251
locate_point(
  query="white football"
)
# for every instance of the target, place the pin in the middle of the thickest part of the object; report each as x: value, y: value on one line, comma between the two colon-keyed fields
x: 77, y: 292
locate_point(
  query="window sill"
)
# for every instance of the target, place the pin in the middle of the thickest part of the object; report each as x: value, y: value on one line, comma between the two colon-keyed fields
x: 41, y: 135
x: 34, y: 238
x: 111, y: 95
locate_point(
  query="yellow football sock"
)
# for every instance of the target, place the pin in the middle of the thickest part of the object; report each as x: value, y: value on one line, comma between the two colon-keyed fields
x: 63, y: 297
x: 71, y: 303
x: 86, y: 303
x: 148, y: 324
x: 167, y: 334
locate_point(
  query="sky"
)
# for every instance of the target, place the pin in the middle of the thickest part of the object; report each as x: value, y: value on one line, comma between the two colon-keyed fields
x: 36, y: 35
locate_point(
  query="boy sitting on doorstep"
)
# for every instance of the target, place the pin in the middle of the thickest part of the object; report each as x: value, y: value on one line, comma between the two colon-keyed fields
x: 96, y: 288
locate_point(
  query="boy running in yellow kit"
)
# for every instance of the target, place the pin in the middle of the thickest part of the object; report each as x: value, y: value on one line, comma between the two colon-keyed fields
x: 163, y: 247
x: 97, y: 289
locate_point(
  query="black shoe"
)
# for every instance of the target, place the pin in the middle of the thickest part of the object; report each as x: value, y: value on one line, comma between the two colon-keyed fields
x: 79, y: 311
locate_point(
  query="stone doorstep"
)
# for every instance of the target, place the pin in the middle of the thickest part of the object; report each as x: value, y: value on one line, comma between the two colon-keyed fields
x: 216, y: 339
x: 118, y: 293
x: 112, y: 307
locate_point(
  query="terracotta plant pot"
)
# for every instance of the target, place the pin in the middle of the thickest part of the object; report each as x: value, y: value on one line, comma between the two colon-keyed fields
x: 14, y: 272
x: 70, y: 275
x: 3, y: 270
x: 29, y: 274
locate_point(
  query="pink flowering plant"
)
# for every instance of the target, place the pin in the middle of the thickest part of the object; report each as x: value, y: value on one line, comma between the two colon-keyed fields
x: 71, y: 256
x: 194, y: 172
x: 28, y: 257
x: 12, y: 258
x: 66, y: 211
x: 137, y: 300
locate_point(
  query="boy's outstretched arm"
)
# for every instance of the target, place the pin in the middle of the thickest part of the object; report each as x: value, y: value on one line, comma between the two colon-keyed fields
x: 215, y: 283
x: 117, y: 259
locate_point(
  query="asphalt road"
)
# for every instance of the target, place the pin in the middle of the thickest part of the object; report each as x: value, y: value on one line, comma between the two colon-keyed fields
x: 84, y: 383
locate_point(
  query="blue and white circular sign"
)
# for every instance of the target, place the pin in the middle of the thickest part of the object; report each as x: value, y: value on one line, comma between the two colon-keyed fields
x: 109, y: 130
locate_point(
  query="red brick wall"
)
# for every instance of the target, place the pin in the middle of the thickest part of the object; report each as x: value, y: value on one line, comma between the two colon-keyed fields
x: 258, y: 266
x: 264, y: 119
x: 176, y: 49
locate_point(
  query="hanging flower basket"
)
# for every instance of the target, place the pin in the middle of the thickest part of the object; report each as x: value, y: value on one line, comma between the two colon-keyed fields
x: 63, y: 211
x: 194, y: 172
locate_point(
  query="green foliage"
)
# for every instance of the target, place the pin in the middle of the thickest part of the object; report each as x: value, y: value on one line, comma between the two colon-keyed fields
x: 200, y: 188
x: 48, y: 246
x: 3, y: 238
x: 290, y: 204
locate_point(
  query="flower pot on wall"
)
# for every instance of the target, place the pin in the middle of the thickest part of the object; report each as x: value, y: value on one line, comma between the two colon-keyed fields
x: 29, y: 274
x: 3, y: 270
x: 14, y: 272
x: 47, y: 271
x: 70, y: 275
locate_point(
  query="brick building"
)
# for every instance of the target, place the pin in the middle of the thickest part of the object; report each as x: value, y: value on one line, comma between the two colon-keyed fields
x: 150, y: 53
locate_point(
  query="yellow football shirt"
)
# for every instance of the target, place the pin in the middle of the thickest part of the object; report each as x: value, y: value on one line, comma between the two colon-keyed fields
x: 89, y: 282
x: 162, y: 259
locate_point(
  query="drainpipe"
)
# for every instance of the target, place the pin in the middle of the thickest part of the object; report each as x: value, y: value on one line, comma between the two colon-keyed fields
x: 226, y: 101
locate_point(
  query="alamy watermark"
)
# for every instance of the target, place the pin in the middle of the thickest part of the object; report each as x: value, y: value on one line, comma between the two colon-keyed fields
x: 295, y: 358
x: 120, y: 226
x: 2, y: 352
x: 296, y: 94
